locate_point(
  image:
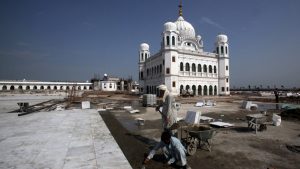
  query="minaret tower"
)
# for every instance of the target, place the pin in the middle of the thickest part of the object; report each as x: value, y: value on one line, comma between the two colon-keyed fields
x: 223, y: 54
x: 144, y: 54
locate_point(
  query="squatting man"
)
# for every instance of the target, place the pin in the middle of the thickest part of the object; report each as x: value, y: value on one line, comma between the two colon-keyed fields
x: 173, y: 150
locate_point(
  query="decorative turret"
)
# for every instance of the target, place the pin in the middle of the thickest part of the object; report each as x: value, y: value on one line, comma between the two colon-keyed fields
x: 223, y: 54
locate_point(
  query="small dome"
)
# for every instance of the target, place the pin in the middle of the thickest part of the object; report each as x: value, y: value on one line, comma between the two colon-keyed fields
x: 222, y: 38
x: 144, y: 46
x: 199, y: 37
x: 186, y: 30
x: 170, y: 26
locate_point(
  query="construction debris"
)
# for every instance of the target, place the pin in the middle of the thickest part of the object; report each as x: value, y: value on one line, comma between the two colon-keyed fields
x: 134, y: 111
x: 221, y: 124
x: 140, y: 121
x: 249, y: 105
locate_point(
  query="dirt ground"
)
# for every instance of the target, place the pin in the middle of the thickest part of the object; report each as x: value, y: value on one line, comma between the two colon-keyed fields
x: 232, y: 148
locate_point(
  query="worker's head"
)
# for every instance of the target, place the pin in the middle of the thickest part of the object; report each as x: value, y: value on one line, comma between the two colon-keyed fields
x: 166, y: 137
x: 162, y: 89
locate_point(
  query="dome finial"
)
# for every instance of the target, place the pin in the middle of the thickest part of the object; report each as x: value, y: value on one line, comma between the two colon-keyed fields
x: 180, y: 8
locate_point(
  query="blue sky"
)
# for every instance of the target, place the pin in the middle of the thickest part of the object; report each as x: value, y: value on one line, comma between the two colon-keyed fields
x: 73, y: 40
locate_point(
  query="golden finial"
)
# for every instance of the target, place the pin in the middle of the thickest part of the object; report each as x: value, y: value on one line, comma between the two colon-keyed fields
x: 180, y: 8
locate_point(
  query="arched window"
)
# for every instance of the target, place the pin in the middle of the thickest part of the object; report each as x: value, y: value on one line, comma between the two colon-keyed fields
x: 187, y: 67
x: 48, y: 87
x: 215, y: 90
x: 20, y: 88
x: 168, y: 40
x: 147, y: 90
x: 4, y: 87
x: 160, y: 68
x: 173, y: 40
x: 210, y: 90
x: 222, y: 50
x: 146, y: 56
x: 199, y: 68
x: 34, y: 87
x: 215, y: 69
x: 142, y: 56
x: 193, y: 67
x: 62, y: 88
x: 42, y: 87
x: 55, y: 87
x: 204, y: 68
x: 12, y: 88
x: 84, y: 88
x: 181, y: 89
x: 217, y: 50
x: 226, y: 50
x: 181, y: 66
x: 27, y: 87
x: 194, y: 89
x: 210, y: 69
x: 199, y: 90
x: 205, y: 90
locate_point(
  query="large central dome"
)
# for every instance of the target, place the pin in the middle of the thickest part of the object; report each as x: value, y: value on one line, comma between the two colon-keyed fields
x: 186, y: 30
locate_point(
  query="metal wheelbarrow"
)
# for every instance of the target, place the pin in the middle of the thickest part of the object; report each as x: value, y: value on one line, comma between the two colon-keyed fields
x: 199, y: 136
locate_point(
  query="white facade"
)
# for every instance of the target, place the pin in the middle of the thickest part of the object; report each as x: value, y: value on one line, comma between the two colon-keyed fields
x: 37, y: 85
x: 181, y: 64
x: 108, y: 86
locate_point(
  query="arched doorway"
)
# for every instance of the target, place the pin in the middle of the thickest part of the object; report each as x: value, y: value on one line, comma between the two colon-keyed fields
x: 210, y: 90
x: 181, y: 89
x: 20, y: 88
x: 215, y: 90
x: 55, y: 87
x: 67, y: 88
x: 194, y: 89
x: 49, y: 88
x: 200, y: 90
x: 42, y: 88
x: 34, y: 87
x: 205, y: 90
x: 12, y: 88
x: 27, y: 87
x: 4, y: 88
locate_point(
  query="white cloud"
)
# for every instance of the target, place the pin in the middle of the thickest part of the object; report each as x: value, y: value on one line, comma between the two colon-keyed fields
x: 211, y: 22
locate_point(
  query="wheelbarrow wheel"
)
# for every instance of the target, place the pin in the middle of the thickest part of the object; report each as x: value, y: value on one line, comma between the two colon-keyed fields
x: 192, y: 146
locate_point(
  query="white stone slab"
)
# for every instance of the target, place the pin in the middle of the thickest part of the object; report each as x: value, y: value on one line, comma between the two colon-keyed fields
x: 192, y: 117
x: 221, y: 124
x: 67, y: 139
x: 199, y: 104
x: 134, y: 111
x: 85, y: 105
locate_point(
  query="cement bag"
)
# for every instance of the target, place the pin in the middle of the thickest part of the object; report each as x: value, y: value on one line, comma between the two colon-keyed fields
x: 276, y: 120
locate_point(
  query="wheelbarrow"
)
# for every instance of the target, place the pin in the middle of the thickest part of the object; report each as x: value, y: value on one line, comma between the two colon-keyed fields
x: 198, y: 136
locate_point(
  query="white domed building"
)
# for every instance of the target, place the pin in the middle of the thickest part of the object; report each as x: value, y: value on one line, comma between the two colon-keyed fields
x: 182, y: 65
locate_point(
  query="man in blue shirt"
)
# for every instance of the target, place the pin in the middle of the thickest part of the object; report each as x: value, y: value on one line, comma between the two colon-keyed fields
x: 173, y: 150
